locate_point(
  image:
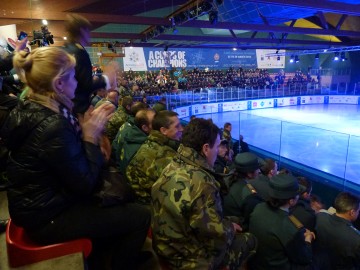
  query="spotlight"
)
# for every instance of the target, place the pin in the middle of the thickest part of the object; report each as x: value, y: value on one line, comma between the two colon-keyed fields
x: 213, y: 17
x: 234, y: 49
x: 336, y: 56
x: 317, y: 56
x: 343, y: 58
x: 297, y: 60
x: 291, y: 59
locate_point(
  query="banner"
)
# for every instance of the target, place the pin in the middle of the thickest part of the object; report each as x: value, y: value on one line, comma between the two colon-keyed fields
x: 198, y: 58
x: 134, y: 59
x: 264, y: 61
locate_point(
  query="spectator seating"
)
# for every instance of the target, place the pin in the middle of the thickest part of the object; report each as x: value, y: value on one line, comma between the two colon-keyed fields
x: 22, y: 251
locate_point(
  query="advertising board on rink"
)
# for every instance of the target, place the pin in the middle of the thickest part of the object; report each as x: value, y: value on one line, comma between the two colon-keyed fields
x: 234, y: 106
x: 343, y: 99
x: 286, y: 101
x: 312, y: 100
x: 205, y: 108
x: 183, y: 111
x: 262, y: 103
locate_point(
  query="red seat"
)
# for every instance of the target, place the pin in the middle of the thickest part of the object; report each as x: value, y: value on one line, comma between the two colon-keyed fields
x: 22, y: 251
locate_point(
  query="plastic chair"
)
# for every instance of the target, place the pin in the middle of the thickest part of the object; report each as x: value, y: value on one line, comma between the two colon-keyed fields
x: 22, y: 251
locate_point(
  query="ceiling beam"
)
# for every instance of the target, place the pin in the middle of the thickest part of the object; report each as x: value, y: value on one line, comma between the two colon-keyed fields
x: 138, y: 20
x: 341, y: 21
x: 228, y: 46
x: 319, y: 5
x: 92, y: 17
x: 267, y: 28
x: 207, y: 38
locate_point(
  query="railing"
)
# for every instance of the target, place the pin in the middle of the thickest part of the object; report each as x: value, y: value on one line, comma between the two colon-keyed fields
x: 208, y: 95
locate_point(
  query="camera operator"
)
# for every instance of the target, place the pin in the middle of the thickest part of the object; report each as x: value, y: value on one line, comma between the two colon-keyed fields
x: 8, y: 97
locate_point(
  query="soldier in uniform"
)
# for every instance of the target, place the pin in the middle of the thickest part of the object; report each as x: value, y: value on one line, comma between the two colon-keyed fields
x: 154, y: 155
x: 283, y: 242
x: 242, y: 196
x: 120, y: 116
x: 131, y: 136
x: 189, y: 230
x: 338, y: 243
x: 261, y: 182
x: 302, y: 210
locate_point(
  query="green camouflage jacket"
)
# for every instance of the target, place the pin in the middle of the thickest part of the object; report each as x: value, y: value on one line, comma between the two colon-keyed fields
x: 148, y: 163
x: 188, y: 226
x: 115, y: 122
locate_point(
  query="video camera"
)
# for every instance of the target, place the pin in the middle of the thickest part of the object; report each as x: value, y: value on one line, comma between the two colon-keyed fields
x: 42, y: 37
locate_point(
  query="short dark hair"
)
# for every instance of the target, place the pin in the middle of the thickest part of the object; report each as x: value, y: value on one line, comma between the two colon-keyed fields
x: 137, y: 106
x: 162, y: 119
x: 141, y: 118
x: 199, y: 132
x: 227, y: 124
x: 345, y: 201
x: 126, y: 101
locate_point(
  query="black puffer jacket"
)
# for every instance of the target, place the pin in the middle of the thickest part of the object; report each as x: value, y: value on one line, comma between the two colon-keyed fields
x: 49, y: 167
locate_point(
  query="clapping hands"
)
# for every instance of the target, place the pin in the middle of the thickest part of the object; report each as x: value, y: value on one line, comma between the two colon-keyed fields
x: 94, y: 120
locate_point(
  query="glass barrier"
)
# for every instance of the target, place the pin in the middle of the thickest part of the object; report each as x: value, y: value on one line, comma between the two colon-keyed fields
x: 329, y: 154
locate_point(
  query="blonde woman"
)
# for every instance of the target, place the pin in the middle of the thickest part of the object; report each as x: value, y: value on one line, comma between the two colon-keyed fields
x: 55, y: 162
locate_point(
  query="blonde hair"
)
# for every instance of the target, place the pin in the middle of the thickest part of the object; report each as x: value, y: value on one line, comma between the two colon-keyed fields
x: 41, y: 67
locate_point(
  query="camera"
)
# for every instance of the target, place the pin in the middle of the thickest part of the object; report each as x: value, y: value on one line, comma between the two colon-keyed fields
x: 42, y: 37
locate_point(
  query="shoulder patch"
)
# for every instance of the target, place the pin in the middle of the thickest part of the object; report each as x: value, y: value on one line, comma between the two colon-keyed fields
x: 296, y: 222
x: 251, y: 188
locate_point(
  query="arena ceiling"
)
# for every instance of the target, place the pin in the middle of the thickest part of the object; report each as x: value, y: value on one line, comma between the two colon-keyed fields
x: 275, y: 24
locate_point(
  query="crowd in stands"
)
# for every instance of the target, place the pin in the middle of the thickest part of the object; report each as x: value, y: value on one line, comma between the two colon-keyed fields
x: 164, y: 81
x: 211, y: 202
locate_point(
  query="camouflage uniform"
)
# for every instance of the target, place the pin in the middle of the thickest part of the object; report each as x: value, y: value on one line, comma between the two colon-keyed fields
x: 189, y: 230
x: 148, y: 163
x: 115, y: 122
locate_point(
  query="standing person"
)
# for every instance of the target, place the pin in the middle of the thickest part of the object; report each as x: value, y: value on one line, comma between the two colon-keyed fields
x: 284, y: 243
x: 189, y: 230
x: 55, y: 164
x: 337, y: 238
x: 78, y: 31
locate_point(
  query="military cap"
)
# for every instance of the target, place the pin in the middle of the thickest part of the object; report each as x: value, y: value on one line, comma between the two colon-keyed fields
x: 246, y: 162
x: 284, y: 186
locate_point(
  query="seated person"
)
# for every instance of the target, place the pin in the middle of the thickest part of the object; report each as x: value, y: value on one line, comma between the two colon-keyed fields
x: 189, y: 230
x: 337, y: 244
x: 154, y: 155
x: 55, y: 164
x: 302, y: 209
x: 242, y: 196
x: 222, y: 161
x: 283, y: 242
x: 131, y: 136
x: 261, y: 182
